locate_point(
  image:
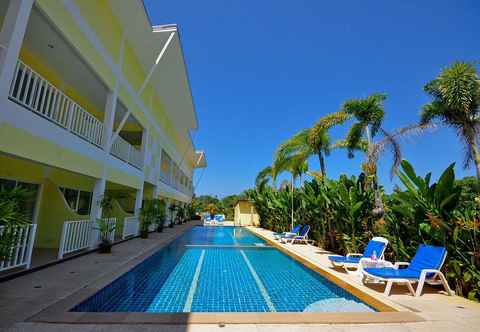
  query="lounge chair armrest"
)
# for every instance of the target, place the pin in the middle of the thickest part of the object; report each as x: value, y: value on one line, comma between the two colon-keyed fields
x: 354, y: 255
x: 398, y: 264
x: 426, y: 271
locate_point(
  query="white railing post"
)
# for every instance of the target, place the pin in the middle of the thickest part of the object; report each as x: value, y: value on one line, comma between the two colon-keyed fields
x: 20, y: 252
x: 70, y: 111
x: 48, y: 101
x: 75, y: 236
x: 131, y: 227
x: 31, y: 241
x: 12, y: 33
x: 62, y: 240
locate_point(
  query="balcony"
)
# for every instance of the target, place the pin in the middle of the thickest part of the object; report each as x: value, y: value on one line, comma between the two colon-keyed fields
x: 32, y: 91
x: 35, y: 93
x: 126, y: 152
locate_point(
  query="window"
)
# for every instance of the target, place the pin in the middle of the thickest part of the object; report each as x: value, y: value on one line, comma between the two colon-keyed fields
x: 84, y: 202
x: 79, y: 201
x: 71, y: 196
x: 165, y: 166
x: 30, y: 201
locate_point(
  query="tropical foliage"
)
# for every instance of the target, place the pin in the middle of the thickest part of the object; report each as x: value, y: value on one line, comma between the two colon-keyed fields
x: 346, y: 212
x: 225, y: 205
x: 456, y: 104
x: 153, y: 211
x: 341, y: 217
x: 11, y: 216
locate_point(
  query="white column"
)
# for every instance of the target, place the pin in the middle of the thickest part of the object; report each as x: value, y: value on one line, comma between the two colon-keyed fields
x: 109, y: 118
x: 96, y: 210
x: 144, y: 148
x: 138, y: 200
x: 11, y: 39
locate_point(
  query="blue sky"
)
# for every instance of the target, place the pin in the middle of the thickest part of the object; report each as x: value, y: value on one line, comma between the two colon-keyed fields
x: 262, y: 70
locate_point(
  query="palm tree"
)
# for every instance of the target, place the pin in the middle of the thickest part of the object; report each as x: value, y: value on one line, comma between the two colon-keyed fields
x: 369, y: 113
x: 263, y: 177
x: 296, y: 165
x: 312, y: 141
x: 456, y: 103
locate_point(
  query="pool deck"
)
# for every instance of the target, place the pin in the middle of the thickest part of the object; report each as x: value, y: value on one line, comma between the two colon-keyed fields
x: 440, y: 312
x: 24, y: 298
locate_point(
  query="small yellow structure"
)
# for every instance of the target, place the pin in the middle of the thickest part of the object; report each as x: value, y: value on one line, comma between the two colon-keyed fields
x: 245, y: 214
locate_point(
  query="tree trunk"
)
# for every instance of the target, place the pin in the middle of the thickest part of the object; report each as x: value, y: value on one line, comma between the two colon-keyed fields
x: 476, y: 156
x: 322, y: 164
x: 378, y: 211
x: 293, y: 179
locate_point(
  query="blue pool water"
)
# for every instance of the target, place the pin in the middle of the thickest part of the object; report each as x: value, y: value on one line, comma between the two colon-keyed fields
x: 221, y: 269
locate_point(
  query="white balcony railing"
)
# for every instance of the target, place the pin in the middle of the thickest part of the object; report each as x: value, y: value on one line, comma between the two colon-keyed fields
x: 34, y: 92
x: 131, y: 227
x: 126, y: 152
x: 20, y: 254
x: 75, y: 236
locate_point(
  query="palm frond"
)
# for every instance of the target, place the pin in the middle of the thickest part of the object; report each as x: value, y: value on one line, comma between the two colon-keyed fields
x: 354, y: 137
x: 343, y: 144
x: 432, y: 111
x: 368, y: 112
x: 459, y: 86
x: 263, y: 176
x: 318, y: 139
x: 333, y: 119
x: 295, y: 164
x: 298, y: 143
x: 391, y: 141
x: 456, y: 102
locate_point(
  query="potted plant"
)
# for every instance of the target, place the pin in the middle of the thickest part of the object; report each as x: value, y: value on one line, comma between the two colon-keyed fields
x: 172, y: 209
x: 179, y: 215
x: 161, y: 214
x: 190, y: 211
x: 11, y: 216
x: 105, y: 226
x: 147, y: 216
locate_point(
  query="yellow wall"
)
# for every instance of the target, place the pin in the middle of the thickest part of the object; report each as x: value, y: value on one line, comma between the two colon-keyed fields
x: 108, y: 30
x: 120, y: 214
x: 53, y: 213
x: 23, y: 144
x: 53, y: 210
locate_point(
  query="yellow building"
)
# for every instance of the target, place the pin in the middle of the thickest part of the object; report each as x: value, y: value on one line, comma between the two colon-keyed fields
x: 245, y: 214
x: 93, y: 101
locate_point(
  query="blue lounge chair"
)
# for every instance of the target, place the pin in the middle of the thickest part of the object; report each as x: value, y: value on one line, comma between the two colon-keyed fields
x: 376, y: 245
x: 219, y: 218
x: 425, y: 267
x: 294, y: 231
x: 207, y: 219
x: 301, y: 237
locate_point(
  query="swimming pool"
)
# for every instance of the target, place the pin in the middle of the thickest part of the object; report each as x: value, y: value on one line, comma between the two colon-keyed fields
x: 221, y: 269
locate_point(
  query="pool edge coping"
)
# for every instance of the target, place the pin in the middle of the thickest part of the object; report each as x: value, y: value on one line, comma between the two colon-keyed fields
x: 58, y: 313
